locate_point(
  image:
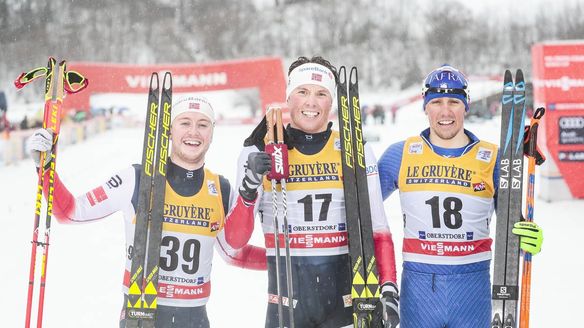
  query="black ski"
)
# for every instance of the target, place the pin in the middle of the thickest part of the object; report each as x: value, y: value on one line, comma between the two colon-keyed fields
x: 365, y: 283
x: 506, y: 272
x: 143, y: 291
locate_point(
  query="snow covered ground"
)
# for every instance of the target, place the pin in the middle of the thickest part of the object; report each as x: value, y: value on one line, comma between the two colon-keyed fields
x: 85, y: 266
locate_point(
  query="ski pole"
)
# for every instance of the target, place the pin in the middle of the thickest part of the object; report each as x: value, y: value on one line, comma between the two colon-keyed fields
x: 529, y: 209
x: 71, y: 82
x: 271, y: 143
x: 284, y: 169
x: 279, y: 173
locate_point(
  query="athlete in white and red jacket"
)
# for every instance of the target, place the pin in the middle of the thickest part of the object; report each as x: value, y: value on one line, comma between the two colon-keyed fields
x: 200, y: 212
x: 317, y: 228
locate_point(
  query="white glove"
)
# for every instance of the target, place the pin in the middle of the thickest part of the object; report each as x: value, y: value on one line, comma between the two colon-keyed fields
x: 41, y: 141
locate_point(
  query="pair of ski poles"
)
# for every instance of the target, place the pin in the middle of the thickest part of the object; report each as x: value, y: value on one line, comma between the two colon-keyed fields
x: 58, y: 81
x: 279, y: 151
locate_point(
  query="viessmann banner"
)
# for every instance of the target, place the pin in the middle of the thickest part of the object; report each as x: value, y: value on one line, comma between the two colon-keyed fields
x: 265, y: 74
x: 558, y: 81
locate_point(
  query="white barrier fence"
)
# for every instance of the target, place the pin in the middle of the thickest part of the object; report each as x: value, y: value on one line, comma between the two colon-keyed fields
x: 13, y: 146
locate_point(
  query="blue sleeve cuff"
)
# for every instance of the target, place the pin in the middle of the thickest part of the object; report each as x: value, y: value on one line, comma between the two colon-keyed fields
x: 389, y: 165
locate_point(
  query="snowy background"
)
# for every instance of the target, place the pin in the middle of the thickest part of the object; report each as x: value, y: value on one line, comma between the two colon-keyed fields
x: 393, y: 42
x: 86, y: 261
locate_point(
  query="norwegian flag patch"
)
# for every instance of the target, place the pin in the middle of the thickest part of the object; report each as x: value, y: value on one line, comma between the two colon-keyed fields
x: 194, y: 105
x: 316, y: 77
x: 97, y: 195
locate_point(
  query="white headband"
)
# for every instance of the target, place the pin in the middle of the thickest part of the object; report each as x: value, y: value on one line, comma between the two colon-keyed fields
x: 195, y: 105
x: 312, y: 73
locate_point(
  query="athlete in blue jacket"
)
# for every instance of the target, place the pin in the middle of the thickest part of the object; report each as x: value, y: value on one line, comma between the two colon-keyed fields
x: 448, y: 183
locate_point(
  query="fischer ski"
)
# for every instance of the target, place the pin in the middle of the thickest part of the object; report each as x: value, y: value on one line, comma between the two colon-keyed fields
x: 365, y: 278
x: 57, y: 81
x: 506, y: 268
x: 145, y: 253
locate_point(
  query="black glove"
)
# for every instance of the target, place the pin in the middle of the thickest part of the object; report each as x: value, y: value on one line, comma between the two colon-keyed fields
x: 258, y: 135
x: 389, y: 305
x: 258, y: 165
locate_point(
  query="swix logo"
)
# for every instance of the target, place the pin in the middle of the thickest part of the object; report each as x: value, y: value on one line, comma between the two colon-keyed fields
x: 181, y: 80
x: 278, y: 159
x: 316, y: 77
x: 565, y: 83
x: 151, y: 141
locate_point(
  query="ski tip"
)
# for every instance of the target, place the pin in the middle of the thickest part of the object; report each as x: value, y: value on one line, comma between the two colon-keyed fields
x: 342, y: 73
x: 167, y: 83
x: 519, y: 80
x: 354, y: 76
x: 154, y: 80
x: 508, y: 79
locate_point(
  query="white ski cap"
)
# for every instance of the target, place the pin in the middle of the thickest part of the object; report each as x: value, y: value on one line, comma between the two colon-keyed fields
x: 195, y: 104
x: 312, y: 73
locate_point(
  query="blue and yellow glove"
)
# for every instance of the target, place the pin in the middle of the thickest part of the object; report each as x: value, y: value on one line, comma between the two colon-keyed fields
x: 530, y: 236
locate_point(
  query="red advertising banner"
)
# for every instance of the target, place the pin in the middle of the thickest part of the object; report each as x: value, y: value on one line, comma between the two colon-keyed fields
x: 558, y: 85
x: 265, y: 74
